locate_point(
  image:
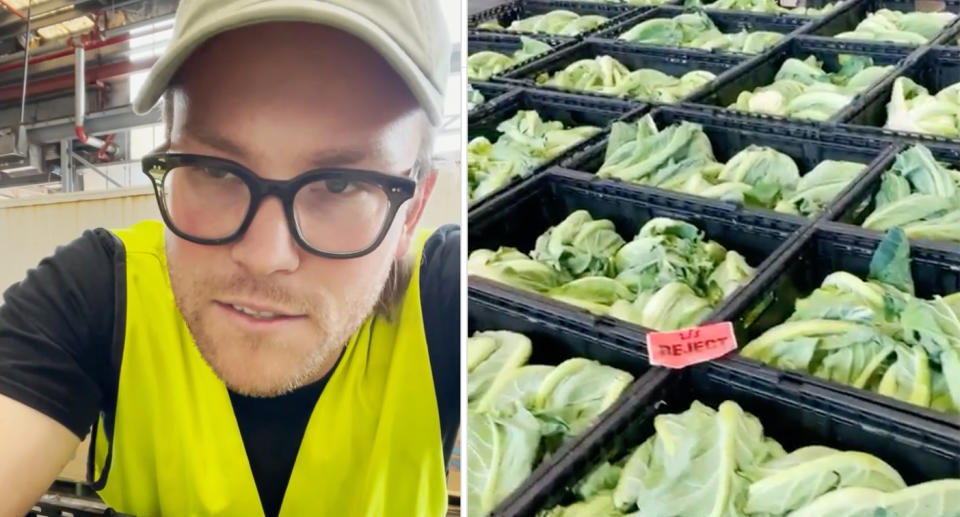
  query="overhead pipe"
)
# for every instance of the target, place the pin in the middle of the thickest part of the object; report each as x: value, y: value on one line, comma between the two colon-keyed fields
x: 26, y: 69
x: 111, y: 37
x: 14, y: 10
x: 65, y: 52
x: 80, y: 107
x: 65, y: 82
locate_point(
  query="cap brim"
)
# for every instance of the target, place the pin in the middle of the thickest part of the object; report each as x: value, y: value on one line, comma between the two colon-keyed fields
x: 309, y: 11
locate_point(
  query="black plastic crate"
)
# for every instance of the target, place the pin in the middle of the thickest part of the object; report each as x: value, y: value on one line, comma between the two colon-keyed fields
x: 675, y: 62
x: 795, y: 416
x: 730, y: 135
x: 572, y: 110
x: 848, y: 16
x: 808, y: 3
x: 833, y: 247
x: 727, y: 21
x: 491, y: 92
x: 477, y: 6
x: 553, y: 343
x: 516, y: 218
x: 934, y: 68
x: 508, y: 12
x: 761, y: 71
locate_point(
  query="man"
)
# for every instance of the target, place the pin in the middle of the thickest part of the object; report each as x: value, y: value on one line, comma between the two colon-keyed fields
x: 287, y: 342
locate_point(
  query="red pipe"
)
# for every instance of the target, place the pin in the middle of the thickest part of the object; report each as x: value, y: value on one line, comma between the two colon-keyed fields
x: 81, y: 134
x: 12, y: 10
x: 65, y: 52
x: 104, y: 153
x: 66, y: 81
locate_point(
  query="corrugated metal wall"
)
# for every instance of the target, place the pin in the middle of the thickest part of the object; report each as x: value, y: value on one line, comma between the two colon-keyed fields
x: 31, y: 229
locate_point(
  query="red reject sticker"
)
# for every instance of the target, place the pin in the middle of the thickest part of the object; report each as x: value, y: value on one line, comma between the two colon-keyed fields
x: 680, y: 348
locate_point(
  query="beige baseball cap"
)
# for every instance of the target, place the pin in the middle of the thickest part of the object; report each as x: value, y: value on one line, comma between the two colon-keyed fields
x: 411, y: 35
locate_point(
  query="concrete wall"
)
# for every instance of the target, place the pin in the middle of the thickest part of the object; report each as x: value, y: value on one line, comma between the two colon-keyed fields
x: 31, y: 229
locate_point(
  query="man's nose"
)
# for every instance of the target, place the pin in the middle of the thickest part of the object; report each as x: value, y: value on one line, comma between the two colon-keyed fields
x: 267, y: 246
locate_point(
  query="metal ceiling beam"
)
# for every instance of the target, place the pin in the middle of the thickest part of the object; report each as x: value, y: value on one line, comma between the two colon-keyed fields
x: 108, y: 34
x: 43, y: 15
x: 109, y: 121
x: 19, y: 181
x: 53, y: 12
x: 64, y: 64
x: 63, y: 82
x: 47, y: 8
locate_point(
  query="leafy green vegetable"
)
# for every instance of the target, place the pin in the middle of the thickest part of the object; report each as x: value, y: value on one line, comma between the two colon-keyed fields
x: 509, y: 266
x: 668, y: 277
x: 916, y: 28
x: 802, y: 89
x: 697, y: 30
x: 501, y: 454
x: 526, y: 143
x: 579, y: 245
x: 762, y: 6
x: 794, y: 486
x: 606, y: 76
x: 681, y: 472
x: 474, y: 97
x: 600, y: 505
x: 560, y: 22
x: 919, y: 195
x: 577, y: 391
x: 603, y: 479
x: 487, y: 63
x: 484, y: 453
x: 503, y: 351
x: 815, y: 190
x: 514, y: 409
x: 680, y: 158
x: 718, y: 463
x: 912, y: 108
x: 931, y: 499
x: 891, y: 262
x: 874, y: 335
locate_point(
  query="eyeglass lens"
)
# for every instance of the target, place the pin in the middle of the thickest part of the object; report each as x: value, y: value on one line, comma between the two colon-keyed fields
x: 332, y: 215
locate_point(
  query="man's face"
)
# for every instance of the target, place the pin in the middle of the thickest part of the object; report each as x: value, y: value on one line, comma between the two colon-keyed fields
x: 282, y: 99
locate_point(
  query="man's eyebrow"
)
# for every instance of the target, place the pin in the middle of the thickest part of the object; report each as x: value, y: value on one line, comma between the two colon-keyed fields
x: 215, y: 140
x: 335, y: 157
x: 346, y: 155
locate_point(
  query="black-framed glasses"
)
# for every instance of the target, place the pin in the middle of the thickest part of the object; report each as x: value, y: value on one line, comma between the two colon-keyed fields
x: 335, y: 213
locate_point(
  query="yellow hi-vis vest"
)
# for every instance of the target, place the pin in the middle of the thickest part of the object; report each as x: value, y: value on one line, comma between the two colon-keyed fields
x: 372, y: 446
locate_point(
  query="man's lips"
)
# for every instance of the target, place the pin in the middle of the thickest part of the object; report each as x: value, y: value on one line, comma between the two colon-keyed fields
x: 256, y: 310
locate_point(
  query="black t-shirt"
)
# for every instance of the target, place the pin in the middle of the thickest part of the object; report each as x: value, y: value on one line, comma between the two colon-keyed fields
x: 61, y: 339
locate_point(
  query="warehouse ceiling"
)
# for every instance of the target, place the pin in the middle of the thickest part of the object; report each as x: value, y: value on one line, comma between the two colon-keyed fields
x: 107, y: 29
x: 76, y: 25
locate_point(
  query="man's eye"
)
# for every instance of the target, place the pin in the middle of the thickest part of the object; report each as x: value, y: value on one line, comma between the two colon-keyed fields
x: 337, y: 185
x: 215, y: 172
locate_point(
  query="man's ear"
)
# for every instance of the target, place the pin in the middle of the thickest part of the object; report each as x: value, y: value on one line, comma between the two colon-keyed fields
x: 415, y: 212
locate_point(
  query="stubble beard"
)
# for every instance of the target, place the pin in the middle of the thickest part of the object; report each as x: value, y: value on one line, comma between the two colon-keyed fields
x: 268, y: 367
